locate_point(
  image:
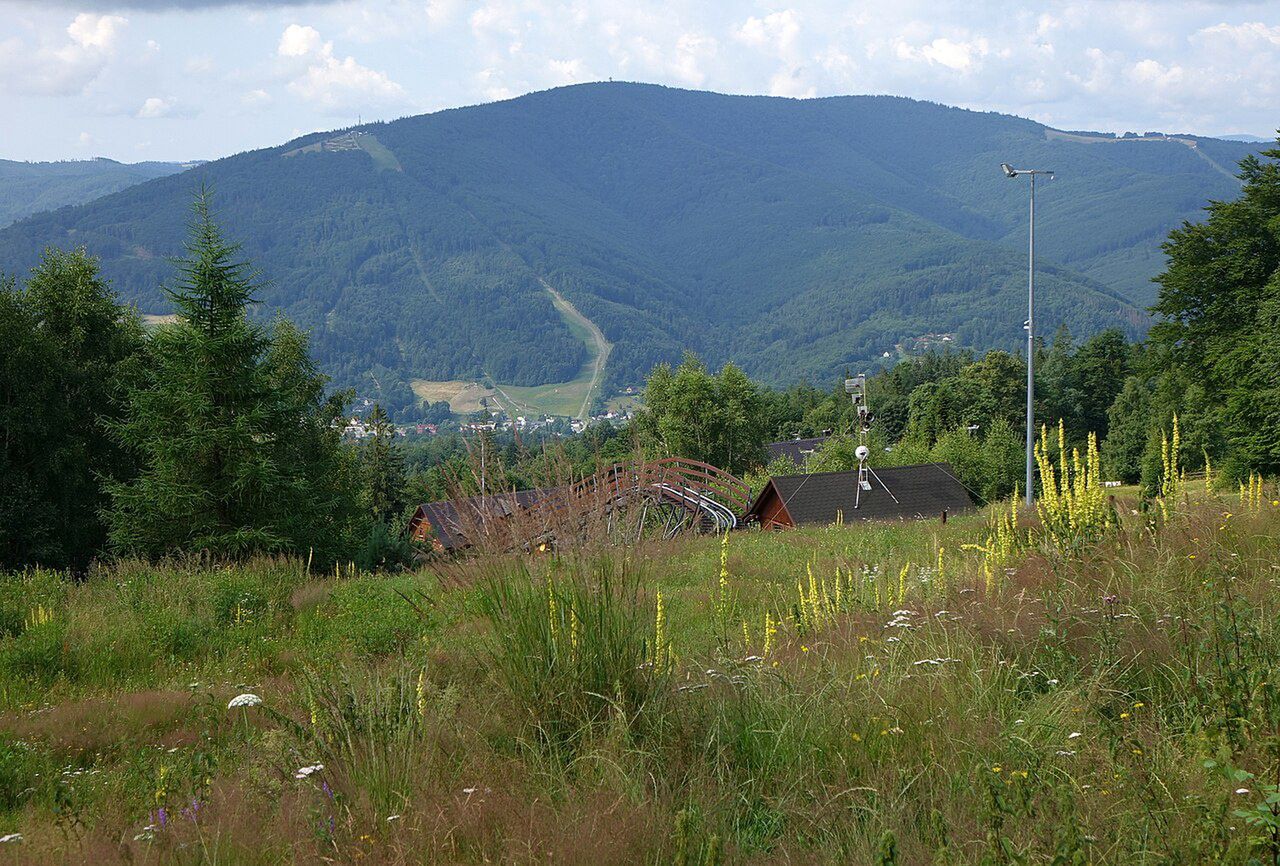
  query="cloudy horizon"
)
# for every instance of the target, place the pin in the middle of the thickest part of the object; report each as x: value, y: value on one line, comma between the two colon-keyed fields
x: 200, y: 79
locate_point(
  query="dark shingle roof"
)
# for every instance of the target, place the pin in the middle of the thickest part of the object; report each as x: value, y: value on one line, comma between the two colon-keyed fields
x: 925, y: 490
x: 450, y: 526
x: 796, y: 449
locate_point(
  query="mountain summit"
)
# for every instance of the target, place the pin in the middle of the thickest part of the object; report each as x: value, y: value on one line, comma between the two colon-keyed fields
x: 521, y: 242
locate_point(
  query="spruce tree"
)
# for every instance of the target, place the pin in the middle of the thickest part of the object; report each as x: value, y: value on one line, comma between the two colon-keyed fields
x: 384, y: 470
x: 68, y: 347
x: 231, y: 425
x: 29, y: 412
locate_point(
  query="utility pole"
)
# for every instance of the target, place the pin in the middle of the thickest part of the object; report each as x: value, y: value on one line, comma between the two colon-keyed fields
x: 1030, y: 326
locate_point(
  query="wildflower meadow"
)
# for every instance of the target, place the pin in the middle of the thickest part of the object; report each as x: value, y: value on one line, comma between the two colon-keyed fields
x: 1092, y: 682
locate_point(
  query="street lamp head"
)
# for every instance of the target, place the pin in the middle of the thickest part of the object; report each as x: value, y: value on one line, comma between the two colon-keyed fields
x: 1009, y: 171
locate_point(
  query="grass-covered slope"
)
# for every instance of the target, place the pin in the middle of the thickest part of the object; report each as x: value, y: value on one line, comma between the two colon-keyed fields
x: 31, y: 187
x: 1112, y: 706
x: 795, y: 237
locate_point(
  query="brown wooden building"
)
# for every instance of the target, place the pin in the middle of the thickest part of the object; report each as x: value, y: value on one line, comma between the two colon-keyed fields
x: 918, y: 492
x: 449, y: 525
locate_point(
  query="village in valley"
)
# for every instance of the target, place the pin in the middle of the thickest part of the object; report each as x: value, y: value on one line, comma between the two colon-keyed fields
x: 357, y: 427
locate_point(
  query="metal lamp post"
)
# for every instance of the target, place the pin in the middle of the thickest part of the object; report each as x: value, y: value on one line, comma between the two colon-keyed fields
x: 1031, y: 320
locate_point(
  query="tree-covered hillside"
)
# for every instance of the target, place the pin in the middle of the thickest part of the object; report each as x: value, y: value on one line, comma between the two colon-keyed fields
x: 793, y: 237
x: 31, y: 187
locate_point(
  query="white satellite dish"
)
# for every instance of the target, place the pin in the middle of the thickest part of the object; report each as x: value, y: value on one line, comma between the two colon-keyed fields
x: 862, y: 452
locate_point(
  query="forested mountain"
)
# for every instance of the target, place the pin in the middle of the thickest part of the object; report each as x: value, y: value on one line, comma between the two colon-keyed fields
x: 31, y: 187
x: 793, y: 237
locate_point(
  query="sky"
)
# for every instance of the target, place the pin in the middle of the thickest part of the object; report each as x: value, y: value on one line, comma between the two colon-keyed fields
x: 199, y: 79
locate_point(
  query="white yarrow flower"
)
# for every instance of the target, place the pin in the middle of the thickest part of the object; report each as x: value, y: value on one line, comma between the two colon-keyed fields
x: 303, y: 772
x: 245, y: 700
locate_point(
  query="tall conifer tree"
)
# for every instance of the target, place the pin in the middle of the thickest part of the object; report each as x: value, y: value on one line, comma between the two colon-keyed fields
x: 385, y: 479
x: 67, y: 347
x: 231, y: 426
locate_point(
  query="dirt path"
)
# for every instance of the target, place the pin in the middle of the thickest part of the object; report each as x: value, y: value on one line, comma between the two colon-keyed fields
x: 601, y: 349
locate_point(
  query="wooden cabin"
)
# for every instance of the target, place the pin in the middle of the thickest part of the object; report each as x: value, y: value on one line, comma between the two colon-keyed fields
x: 448, y: 524
x: 927, y: 490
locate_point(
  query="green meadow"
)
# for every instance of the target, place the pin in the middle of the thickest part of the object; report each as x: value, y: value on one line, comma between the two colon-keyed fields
x: 846, y: 694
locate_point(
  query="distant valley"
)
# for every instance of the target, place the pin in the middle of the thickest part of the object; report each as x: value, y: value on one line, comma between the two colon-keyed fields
x: 546, y: 251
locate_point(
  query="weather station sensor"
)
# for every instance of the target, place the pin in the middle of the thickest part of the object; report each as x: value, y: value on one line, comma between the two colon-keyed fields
x: 856, y: 388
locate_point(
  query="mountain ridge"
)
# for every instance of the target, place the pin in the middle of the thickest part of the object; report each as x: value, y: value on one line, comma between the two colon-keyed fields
x: 27, y: 188
x: 795, y: 237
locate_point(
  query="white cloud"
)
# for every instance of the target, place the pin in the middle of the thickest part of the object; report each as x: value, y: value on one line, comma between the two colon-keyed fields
x: 1251, y: 34
x: 95, y: 31
x: 492, y: 86
x: 692, y: 50
x: 791, y: 82
x: 331, y: 83
x: 256, y: 98
x: 337, y: 84
x: 299, y: 41
x: 777, y: 32
x: 1154, y: 64
x: 1152, y: 73
x: 84, y: 139
x: 441, y: 12
x: 568, y: 71
x: 837, y: 62
x: 959, y: 56
x: 61, y: 68
x: 778, y: 35
x: 155, y: 106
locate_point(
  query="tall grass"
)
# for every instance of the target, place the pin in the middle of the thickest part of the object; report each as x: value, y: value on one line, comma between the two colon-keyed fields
x: 575, y: 650
x: 1111, y: 703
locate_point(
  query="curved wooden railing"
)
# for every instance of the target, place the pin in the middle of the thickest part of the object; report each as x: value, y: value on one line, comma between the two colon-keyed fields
x: 715, y: 500
x: 671, y: 474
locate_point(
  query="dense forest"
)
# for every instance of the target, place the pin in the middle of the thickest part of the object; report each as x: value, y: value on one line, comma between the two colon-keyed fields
x: 792, y: 237
x: 31, y: 187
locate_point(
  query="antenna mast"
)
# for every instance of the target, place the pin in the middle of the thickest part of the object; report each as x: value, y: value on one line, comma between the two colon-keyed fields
x: 856, y: 388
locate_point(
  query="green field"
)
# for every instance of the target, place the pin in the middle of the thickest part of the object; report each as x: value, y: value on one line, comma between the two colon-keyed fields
x: 803, y: 699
